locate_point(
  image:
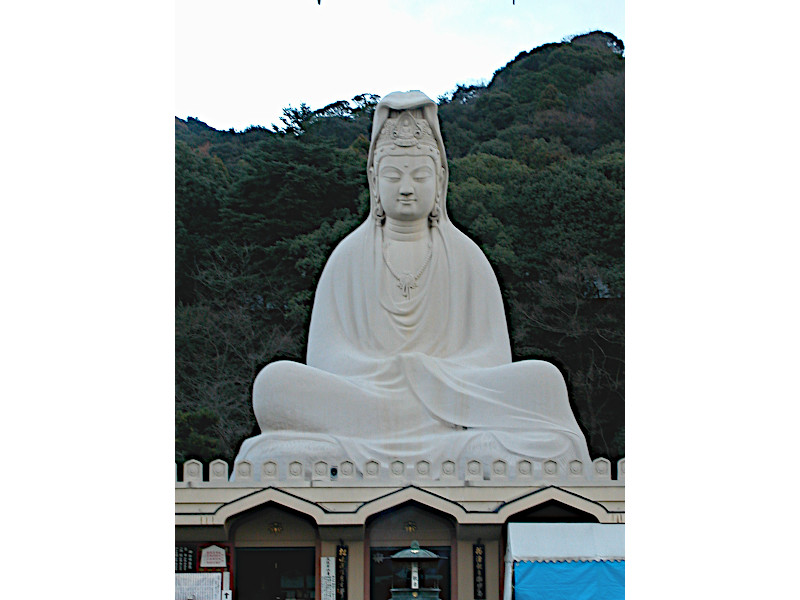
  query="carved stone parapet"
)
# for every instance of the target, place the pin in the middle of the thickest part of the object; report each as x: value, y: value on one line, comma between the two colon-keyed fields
x: 423, y: 470
x: 524, y: 470
x: 372, y: 469
x: 550, y: 469
x: 397, y: 470
x: 321, y: 471
x: 296, y: 471
x: 193, y: 471
x: 473, y: 471
x: 602, y: 469
x: 575, y: 469
x: 269, y: 471
x: 449, y: 472
x: 499, y: 471
x: 245, y: 472
x: 218, y: 471
x: 347, y: 471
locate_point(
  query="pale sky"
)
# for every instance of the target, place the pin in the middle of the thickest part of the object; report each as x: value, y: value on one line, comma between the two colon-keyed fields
x: 239, y: 63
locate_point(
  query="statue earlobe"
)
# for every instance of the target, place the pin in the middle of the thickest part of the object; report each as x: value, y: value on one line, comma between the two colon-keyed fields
x: 436, y: 212
x: 379, y: 214
x: 433, y: 217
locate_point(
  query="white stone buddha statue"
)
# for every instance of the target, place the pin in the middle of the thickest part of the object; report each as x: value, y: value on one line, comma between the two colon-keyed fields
x: 408, y: 350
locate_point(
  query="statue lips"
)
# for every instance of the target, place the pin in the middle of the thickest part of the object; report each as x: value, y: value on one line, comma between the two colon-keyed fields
x: 407, y: 205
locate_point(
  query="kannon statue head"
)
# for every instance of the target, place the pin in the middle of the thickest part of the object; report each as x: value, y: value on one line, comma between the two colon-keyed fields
x: 405, y: 126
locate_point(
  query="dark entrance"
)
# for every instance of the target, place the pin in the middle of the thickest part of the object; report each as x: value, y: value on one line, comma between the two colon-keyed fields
x: 381, y: 571
x: 274, y: 573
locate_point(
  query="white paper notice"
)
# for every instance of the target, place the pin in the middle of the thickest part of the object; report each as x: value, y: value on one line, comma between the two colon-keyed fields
x: 328, y: 578
x: 200, y: 586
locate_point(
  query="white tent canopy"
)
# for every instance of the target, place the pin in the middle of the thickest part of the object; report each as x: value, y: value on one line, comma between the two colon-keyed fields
x: 551, y: 542
x: 561, y: 542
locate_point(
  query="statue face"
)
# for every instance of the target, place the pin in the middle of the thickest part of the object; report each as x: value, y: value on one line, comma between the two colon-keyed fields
x: 407, y: 186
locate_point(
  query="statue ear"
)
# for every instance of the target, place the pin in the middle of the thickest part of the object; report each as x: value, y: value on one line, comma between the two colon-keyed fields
x: 376, y: 210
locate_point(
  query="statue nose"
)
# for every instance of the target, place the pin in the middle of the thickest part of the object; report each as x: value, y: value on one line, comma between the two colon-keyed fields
x: 406, y: 189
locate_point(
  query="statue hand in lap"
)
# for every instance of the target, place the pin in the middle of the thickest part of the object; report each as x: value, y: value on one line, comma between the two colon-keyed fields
x: 408, y: 349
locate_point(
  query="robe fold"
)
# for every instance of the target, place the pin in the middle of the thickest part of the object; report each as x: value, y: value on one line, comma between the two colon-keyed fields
x: 428, y: 377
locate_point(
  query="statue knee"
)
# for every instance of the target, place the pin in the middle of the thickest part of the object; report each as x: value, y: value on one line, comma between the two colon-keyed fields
x: 267, y: 385
x: 551, y: 378
x: 550, y: 370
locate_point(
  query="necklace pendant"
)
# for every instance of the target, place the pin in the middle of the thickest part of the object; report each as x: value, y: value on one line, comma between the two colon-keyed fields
x: 406, y: 282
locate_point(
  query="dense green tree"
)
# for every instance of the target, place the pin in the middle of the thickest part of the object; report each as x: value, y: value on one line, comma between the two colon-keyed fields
x: 201, y: 184
x: 288, y: 187
x: 235, y: 326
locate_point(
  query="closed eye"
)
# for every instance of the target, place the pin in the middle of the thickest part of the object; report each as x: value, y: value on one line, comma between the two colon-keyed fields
x: 390, y: 175
x: 422, y: 174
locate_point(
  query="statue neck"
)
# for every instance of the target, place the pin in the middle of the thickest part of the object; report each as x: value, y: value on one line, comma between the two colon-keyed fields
x: 402, y: 231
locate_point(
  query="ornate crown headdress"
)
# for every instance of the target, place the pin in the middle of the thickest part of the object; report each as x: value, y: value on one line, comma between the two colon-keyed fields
x: 401, y: 133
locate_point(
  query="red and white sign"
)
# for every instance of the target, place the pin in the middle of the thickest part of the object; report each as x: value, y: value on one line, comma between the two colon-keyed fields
x: 213, y: 556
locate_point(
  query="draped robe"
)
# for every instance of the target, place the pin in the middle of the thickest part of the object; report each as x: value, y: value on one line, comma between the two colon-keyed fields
x: 424, y: 378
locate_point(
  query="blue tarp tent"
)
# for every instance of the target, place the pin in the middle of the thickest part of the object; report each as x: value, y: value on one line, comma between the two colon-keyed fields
x: 565, y: 561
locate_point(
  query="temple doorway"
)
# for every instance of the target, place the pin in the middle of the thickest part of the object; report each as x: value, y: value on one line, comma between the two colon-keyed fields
x: 395, y: 529
x: 383, y: 573
x: 275, y: 573
x: 275, y: 554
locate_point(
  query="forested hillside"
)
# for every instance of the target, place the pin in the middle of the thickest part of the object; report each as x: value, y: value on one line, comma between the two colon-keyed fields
x: 537, y: 176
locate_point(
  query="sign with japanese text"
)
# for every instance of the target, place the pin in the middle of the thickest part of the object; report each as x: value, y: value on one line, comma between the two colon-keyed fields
x: 213, y: 557
x: 341, y: 572
x: 479, y: 571
x: 184, y: 559
x: 328, y: 578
